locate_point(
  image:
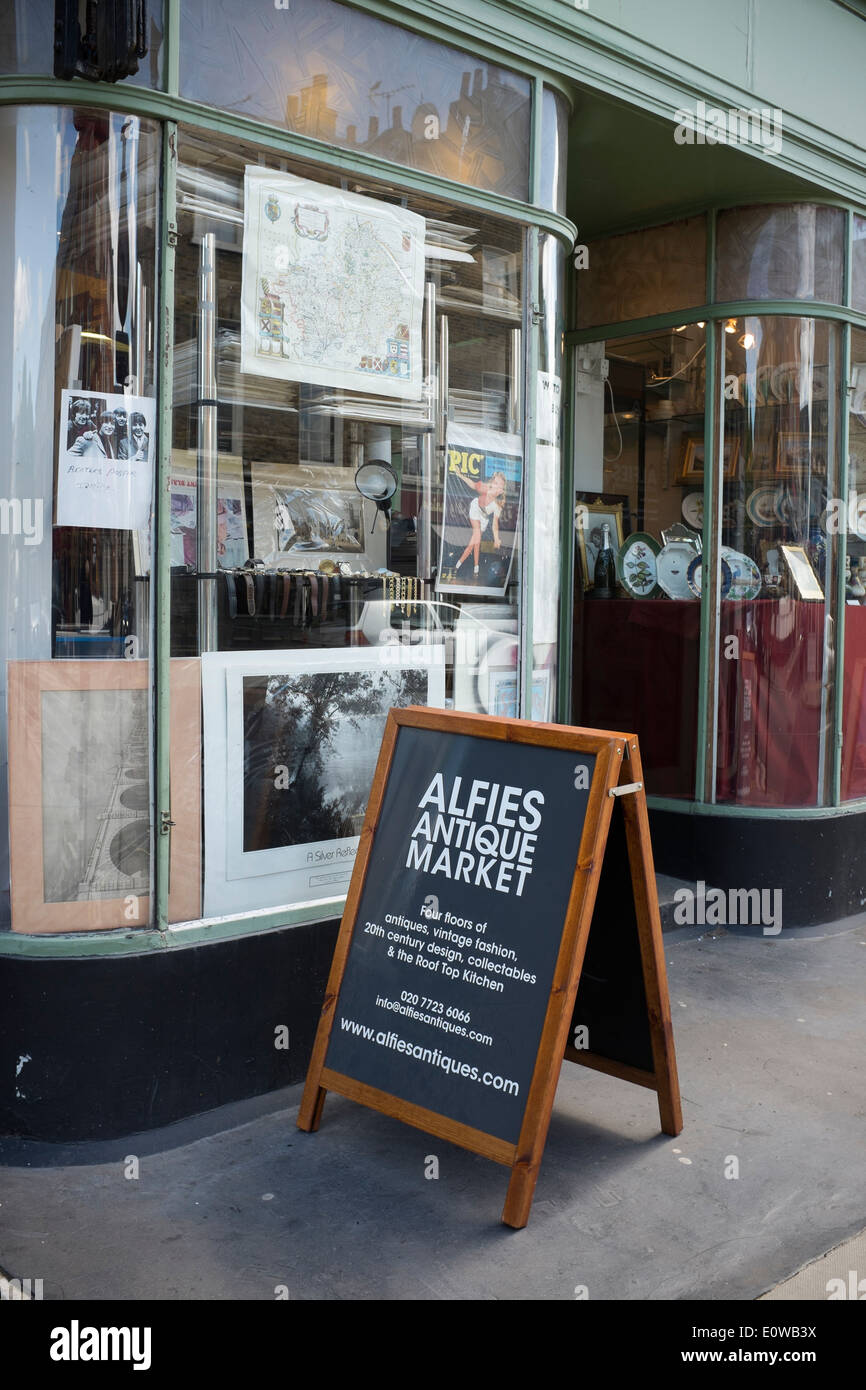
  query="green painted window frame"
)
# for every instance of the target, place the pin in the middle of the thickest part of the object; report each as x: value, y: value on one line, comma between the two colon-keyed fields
x: 173, y: 112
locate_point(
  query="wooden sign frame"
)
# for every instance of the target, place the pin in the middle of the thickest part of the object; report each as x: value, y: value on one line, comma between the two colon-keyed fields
x: 617, y: 775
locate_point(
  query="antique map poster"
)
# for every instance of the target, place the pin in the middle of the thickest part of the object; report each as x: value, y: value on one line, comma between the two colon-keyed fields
x: 333, y: 287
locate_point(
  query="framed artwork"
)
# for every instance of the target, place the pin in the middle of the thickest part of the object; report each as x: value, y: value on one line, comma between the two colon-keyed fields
x: 692, y: 458
x: 502, y: 694
x: 804, y: 581
x: 303, y: 513
x: 800, y: 454
x: 591, y: 511
x: 79, y: 794
x: 290, y: 746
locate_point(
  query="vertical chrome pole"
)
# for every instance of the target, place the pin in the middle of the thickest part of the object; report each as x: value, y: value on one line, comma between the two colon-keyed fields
x: 206, y: 490
x: 428, y: 438
x: 515, y: 413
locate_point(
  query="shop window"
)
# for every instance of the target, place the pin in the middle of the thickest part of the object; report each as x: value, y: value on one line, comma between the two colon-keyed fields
x: 554, y: 150
x: 79, y: 214
x: 858, y: 266
x: 784, y: 252
x: 27, y: 38
x: 641, y: 273
x: 346, y: 497
x: 347, y: 78
x: 854, y: 695
x: 780, y: 531
x: 639, y: 461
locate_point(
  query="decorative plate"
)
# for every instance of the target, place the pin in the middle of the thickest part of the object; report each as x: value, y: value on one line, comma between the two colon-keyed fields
x: 679, y: 532
x: 694, y: 577
x: 760, y: 506
x: 746, y: 575
x: 693, y: 510
x: 636, y: 565
x: 673, y: 569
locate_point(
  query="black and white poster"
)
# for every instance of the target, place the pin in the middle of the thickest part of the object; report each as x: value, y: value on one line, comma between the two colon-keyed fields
x: 106, y: 456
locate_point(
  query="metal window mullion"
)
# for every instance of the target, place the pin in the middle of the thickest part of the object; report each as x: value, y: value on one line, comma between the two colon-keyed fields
x: 841, y: 556
x: 531, y: 330
x: 566, y: 593
x: 160, y: 564
x: 708, y: 671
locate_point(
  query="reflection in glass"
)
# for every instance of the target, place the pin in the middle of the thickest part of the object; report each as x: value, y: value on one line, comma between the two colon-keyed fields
x: 554, y: 150
x: 27, y: 41
x: 854, y: 520
x: 858, y: 265
x: 310, y: 583
x: 639, y: 471
x: 324, y: 70
x: 79, y: 216
x: 784, y: 252
x: 780, y: 542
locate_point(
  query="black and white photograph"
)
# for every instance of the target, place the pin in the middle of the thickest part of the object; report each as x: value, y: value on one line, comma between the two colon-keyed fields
x: 290, y: 746
x: 106, y: 454
x: 322, y: 734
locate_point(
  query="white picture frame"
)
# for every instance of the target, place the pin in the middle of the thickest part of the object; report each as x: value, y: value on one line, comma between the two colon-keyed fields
x: 314, y: 872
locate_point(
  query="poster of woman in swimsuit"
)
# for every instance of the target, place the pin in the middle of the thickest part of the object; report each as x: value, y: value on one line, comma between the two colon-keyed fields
x: 480, y: 511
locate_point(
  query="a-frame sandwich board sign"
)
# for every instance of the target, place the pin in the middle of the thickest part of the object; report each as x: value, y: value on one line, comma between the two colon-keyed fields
x: 456, y: 986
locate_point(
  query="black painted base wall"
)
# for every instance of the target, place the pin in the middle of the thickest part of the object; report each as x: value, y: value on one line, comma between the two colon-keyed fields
x: 122, y: 1044
x: 820, y: 865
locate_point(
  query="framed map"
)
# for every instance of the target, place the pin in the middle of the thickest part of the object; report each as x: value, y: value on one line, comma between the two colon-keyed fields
x: 333, y: 287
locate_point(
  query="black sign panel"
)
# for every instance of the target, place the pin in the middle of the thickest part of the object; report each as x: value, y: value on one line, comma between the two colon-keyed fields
x: 459, y: 924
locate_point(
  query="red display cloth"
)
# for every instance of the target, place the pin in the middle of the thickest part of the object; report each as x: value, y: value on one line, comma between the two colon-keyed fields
x: 854, y: 705
x: 770, y: 673
x: 636, y: 669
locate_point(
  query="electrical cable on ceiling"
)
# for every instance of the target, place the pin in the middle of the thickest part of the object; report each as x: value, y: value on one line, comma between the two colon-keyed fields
x: 604, y: 456
x: 660, y: 380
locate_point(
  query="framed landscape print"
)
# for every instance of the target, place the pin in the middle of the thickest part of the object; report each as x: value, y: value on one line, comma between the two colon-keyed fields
x: 291, y: 741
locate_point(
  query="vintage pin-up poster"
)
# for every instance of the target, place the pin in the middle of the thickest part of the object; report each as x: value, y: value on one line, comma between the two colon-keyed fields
x: 480, y: 510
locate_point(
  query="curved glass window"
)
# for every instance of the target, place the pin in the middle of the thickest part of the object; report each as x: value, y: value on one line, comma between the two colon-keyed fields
x: 858, y: 265
x: 643, y: 273
x: 854, y: 708
x: 329, y: 330
x: 780, y: 252
x: 322, y: 69
x: 639, y: 450
x: 27, y: 42
x: 554, y: 150
x: 78, y: 223
x: 779, y: 536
